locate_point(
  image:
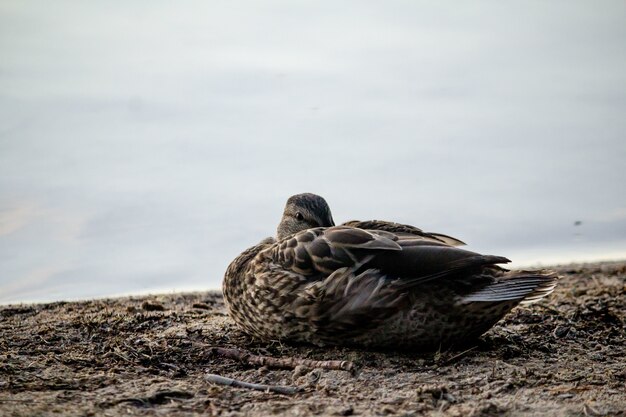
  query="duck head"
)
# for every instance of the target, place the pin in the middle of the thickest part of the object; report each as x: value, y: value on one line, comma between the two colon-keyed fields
x: 304, y: 211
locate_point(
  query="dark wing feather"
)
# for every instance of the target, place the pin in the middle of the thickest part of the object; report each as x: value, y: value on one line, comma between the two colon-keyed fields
x: 420, y: 263
x: 403, y: 230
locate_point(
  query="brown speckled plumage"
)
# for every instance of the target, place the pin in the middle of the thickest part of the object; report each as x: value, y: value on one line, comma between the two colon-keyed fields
x: 371, y: 284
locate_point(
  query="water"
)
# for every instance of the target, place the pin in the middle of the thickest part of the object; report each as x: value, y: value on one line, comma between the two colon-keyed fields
x: 144, y: 145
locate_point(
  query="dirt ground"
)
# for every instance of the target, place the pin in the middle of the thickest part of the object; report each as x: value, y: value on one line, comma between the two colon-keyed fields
x: 565, y: 355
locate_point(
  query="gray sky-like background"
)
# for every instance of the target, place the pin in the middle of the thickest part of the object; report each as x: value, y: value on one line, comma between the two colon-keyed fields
x: 144, y: 144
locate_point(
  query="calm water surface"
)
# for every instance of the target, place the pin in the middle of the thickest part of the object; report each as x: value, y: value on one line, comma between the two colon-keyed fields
x: 143, y: 145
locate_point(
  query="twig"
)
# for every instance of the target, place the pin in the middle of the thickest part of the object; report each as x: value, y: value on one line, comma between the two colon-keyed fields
x: 158, y: 397
x: 284, y: 363
x: 222, y: 380
x: 119, y: 355
x: 458, y: 356
x: 6, y: 400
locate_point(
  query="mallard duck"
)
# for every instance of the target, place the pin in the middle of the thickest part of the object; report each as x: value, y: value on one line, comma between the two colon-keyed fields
x: 373, y: 284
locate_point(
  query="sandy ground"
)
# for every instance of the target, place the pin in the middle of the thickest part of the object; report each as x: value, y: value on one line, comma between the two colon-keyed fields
x: 565, y: 355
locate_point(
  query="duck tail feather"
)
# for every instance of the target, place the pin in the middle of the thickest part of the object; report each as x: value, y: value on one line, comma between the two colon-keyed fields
x: 526, y: 287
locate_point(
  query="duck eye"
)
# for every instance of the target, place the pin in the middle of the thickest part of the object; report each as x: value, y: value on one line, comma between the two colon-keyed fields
x: 299, y: 216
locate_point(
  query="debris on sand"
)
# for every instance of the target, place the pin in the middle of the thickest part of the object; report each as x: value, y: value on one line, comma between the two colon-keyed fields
x: 181, y: 355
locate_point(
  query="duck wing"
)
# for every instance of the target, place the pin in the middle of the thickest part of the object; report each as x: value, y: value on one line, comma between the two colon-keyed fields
x: 351, y: 280
x: 422, y: 261
x: 404, y: 230
x: 320, y: 252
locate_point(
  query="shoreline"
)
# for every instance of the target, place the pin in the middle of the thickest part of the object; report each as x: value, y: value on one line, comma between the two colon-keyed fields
x: 150, y: 355
x: 150, y: 293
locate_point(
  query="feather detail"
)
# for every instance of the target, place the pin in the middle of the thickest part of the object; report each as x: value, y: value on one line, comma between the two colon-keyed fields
x: 350, y: 237
x: 422, y: 263
x: 348, y: 304
x: 403, y: 230
x: 324, y: 250
x: 526, y: 288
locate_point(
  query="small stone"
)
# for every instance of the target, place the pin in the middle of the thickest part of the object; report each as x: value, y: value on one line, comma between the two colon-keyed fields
x: 561, y: 331
x: 299, y: 371
x: 348, y: 411
x: 313, y: 376
x: 152, y: 306
x: 448, y: 397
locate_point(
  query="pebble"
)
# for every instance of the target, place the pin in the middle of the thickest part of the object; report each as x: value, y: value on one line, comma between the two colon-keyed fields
x: 152, y: 306
x: 561, y: 331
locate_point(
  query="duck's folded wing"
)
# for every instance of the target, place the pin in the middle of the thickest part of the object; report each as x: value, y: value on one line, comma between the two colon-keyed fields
x: 351, y: 300
x: 320, y: 252
x: 422, y: 261
x: 404, y: 230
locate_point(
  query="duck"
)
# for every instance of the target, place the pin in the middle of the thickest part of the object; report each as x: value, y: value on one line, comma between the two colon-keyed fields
x: 370, y: 284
